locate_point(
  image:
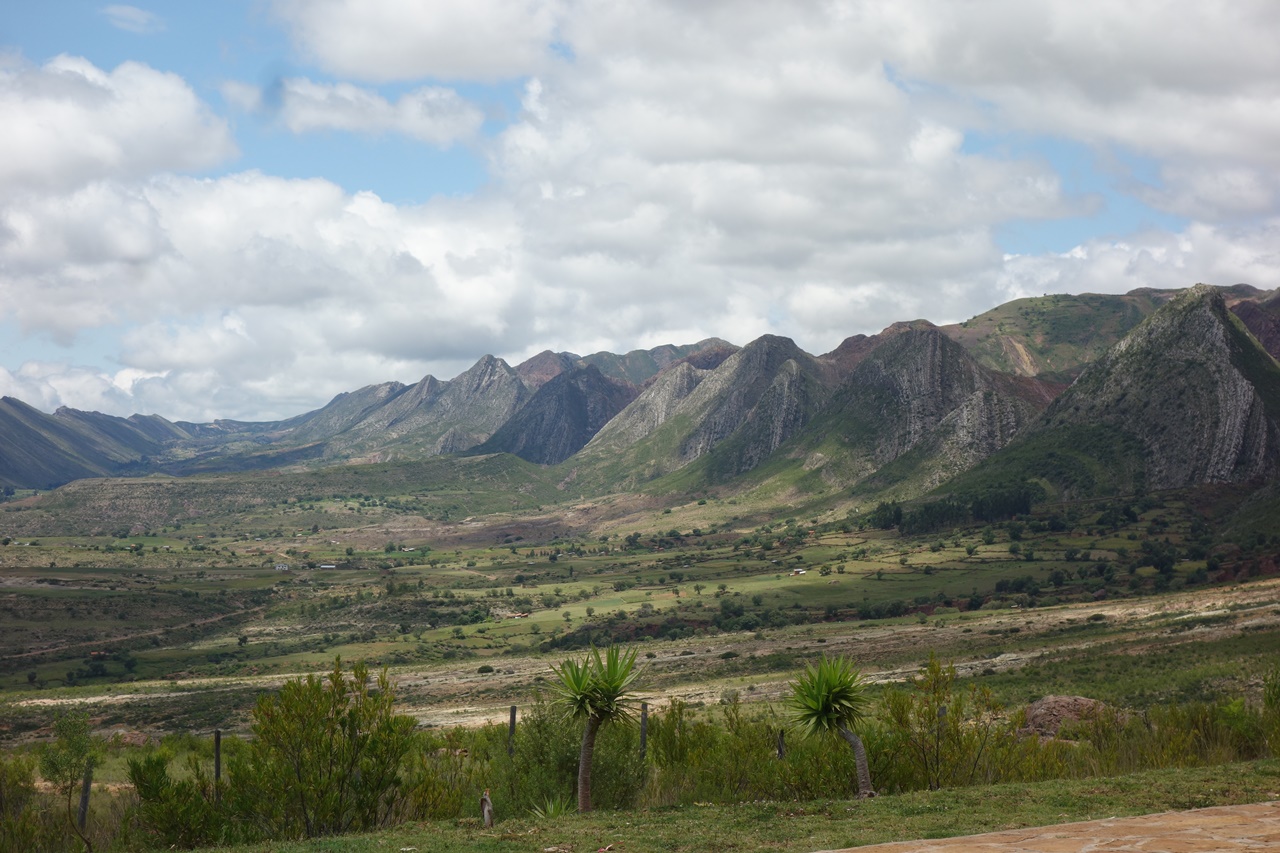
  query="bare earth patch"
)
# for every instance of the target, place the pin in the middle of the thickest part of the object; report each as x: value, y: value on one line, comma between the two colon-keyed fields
x: 1221, y: 829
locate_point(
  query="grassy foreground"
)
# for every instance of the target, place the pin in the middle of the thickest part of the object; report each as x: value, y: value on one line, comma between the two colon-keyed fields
x: 824, y: 825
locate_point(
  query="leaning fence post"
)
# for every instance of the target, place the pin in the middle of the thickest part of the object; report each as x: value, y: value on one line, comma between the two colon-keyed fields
x: 217, y: 766
x: 644, y: 728
x: 782, y: 744
x: 83, y: 815
x: 511, y: 733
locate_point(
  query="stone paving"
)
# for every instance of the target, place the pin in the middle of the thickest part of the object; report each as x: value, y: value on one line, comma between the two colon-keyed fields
x: 1222, y: 829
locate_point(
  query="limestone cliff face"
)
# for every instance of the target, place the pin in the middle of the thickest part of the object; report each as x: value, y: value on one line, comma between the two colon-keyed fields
x: 920, y: 394
x: 650, y: 409
x: 769, y: 389
x: 434, y: 417
x: 986, y: 421
x: 1195, y: 389
x: 742, y: 411
x: 561, y: 417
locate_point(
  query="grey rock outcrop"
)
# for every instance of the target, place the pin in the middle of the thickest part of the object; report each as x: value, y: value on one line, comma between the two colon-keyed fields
x: 920, y: 393
x: 740, y: 412
x: 561, y: 416
x: 1194, y: 387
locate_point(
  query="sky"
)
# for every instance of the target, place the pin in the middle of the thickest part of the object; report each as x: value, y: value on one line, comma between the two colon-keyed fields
x: 241, y: 209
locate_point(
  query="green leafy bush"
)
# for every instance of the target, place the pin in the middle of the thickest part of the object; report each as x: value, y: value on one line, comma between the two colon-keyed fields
x: 326, y: 756
x: 19, y: 827
x: 64, y: 762
x: 182, y: 813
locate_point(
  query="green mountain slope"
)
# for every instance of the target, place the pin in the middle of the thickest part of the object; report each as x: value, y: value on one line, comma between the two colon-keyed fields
x: 1189, y: 397
x: 42, y: 451
x: 913, y: 413
x: 1053, y: 336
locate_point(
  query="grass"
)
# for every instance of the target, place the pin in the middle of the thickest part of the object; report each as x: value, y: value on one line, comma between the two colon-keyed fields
x: 823, y: 825
x: 1138, y: 674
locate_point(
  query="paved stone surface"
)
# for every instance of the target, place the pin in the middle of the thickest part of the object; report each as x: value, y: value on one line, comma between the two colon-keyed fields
x: 1222, y: 829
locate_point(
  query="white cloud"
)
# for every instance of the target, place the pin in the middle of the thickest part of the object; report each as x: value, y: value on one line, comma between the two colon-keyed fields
x: 133, y: 20
x: 1195, y: 86
x: 1221, y: 255
x: 676, y: 171
x: 249, y: 295
x: 407, y: 40
x: 48, y: 385
x: 432, y: 114
x: 68, y: 122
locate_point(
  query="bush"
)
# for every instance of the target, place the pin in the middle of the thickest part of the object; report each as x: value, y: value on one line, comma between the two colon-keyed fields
x: 944, y: 737
x: 63, y: 762
x: 326, y: 758
x: 545, y: 764
x: 19, y: 828
x: 180, y: 813
x: 334, y: 745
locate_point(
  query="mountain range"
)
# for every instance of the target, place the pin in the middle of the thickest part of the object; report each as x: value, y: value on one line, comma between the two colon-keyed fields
x: 1082, y: 394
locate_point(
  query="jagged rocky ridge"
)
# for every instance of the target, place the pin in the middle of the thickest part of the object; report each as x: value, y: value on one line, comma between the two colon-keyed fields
x: 562, y: 416
x: 916, y: 406
x: 1188, y: 398
x: 1193, y: 387
x: 899, y: 412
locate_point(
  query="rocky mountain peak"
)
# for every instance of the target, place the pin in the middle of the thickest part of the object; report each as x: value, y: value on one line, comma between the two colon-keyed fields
x: 545, y: 366
x: 1193, y: 387
x: 562, y: 416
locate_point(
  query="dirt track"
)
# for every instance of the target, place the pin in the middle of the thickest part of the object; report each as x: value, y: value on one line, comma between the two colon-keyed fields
x: 1222, y: 829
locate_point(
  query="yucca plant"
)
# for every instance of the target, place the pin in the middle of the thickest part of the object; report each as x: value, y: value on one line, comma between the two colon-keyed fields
x: 552, y: 807
x: 830, y: 699
x: 596, y: 689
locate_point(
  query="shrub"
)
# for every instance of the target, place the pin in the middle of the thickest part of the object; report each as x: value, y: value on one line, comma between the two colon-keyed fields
x: 19, y: 828
x: 334, y: 745
x: 181, y: 813
x: 63, y: 762
x: 326, y: 759
x: 944, y: 736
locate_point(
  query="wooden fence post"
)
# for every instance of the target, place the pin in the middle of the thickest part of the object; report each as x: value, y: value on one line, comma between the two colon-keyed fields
x: 217, y: 766
x: 83, y: 815
x: 511, y: 733
x: 644, y: 728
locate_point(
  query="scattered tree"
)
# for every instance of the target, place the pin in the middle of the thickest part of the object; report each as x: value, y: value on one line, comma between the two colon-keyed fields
x: 64, y: 762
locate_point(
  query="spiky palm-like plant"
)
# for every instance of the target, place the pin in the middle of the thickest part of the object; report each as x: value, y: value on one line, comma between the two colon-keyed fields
x: 596, y: 689
x: 830, y: 698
